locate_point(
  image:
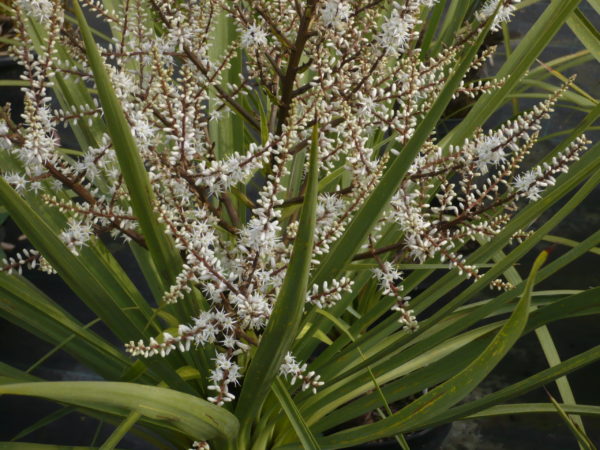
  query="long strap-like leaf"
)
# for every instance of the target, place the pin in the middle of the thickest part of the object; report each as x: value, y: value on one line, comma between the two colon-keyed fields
x: 536, y: 40
x: 287, y: 313
x: 453, y: 390
x: 349, y: 244
x: 196, y: 418
x: 302, y: 430
x: 163, y: 252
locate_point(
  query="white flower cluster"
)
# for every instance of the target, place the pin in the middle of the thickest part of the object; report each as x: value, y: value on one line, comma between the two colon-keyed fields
x: 397, y: 30
x: 290, y: 367
x: 76, y: 235
x: 326, y: 296
x: 28, y: 258
x: 483, y: 170
x: 503, y: 9
x: 200, y: 445
x: 253, y: 37
x: 389, y: 279
x: 336, y: 13
x: 209, y: 327
x: 225, y: 373
x: 40, y: 10
x: 230, y: 200
x: 18, y: 181
x: 531, y: 183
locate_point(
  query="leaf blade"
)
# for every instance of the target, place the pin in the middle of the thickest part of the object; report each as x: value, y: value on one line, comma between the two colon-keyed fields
x: 454, y: 389
x: 191, y: 415
x: 136, y: 178
x: 307, y: 439
x: 287, y: 313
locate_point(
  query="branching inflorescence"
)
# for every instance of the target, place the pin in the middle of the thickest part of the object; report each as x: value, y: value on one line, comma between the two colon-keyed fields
x: 352, y: 67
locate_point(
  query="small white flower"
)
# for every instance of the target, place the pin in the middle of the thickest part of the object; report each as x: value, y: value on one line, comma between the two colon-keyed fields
x: 253, y: 37
x: 395, y: 32
x: 76, y: 235
x: 40, y: 10
x: 505, y: 11
x: 335, y: 14
x: 387, y: 277
x: 310, y: 380
x: 18, y: 182
x: 489, y: 152
x: 527, y: 184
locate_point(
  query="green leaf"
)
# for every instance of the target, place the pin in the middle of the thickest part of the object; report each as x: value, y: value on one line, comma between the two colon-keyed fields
x: 26, y: 306
x: 412, y: 383
x: 365, y: 219
x: 34, y: 446
x: 431, y: 25
x: 536, y: 408
x: 529, y: 48
x: 542, y: 378
x: 393, y: 352
x: 306, y: 437
x: 569, y: 243
x: 165, y: 256
x: 585, y: 32
x: 228, y: 132
x: 11, y: 83
x: 287, y: 313
x: 93, y: 279
x: 44, y: 421
x: 582, y: 439
x: 196, y: 418
x: 119, y: 433
x: 544, y: 338
x: 453, y: 390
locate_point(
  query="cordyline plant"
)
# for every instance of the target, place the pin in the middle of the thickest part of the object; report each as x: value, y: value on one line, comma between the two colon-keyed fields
x: 275, y: 169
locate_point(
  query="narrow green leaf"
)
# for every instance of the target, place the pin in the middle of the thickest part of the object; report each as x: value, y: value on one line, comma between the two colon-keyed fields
x: 431, y: 26
x: 119, y: 433
x: 346, y: 247
x: 545, y: 339
x: 165, y: 256
x: 569, y: 243
x: 595, y: 4
x: 585, y: 32
x: 542, y: 378
x: 44, y: 421
x: 58, y: 347
x: 92, y: 276
x: 228, y: 132
x: 191, y: 415
x: 583, y: 441
x: 529, y: 48
x: 536, y: 408
x: 287, y: 313
x: 14, y: 83
x: 395, y: 354
x: 453, y: 390
x: 26, y: 306
x: 343, y: 326
x: 35, y: 446
x: 306, y: 437
x: 452, y: 22
x: 415, y: 382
